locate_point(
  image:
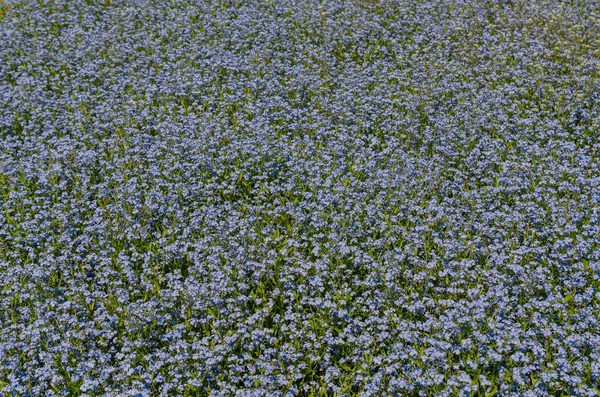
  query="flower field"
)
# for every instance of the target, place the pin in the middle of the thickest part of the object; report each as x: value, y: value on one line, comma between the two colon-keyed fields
x: 299, y: 198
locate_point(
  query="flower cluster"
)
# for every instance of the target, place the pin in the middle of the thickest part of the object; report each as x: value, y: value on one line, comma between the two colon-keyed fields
x: 299, y: 198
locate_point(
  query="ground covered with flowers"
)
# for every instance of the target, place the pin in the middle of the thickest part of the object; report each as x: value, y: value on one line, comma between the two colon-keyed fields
x: 299, y: 198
